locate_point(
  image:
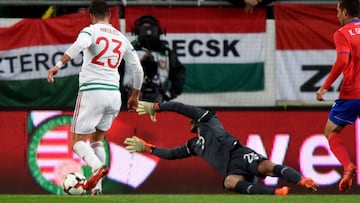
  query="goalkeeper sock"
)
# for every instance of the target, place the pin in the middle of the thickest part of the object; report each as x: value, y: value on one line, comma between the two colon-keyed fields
x: 245, y: 187
x: 287, y: 173
x: 84, y: 151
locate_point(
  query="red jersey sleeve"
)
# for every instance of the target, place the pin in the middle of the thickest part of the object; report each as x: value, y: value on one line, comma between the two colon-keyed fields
x: 343, y: 52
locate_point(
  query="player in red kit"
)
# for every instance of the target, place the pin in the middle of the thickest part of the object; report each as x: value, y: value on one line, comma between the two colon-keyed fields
x: 347, y: 107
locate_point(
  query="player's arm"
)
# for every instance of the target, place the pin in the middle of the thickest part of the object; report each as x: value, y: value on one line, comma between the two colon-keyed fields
x: 83, y: 41
x: 342, y: 60
x: 336, y: 70
x: 136, y: 144
x: 192, y: 112
x: 133, y: 62
x: 56, y: 68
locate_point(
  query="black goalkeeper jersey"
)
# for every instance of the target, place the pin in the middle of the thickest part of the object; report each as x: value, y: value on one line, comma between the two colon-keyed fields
x: 213, y: 143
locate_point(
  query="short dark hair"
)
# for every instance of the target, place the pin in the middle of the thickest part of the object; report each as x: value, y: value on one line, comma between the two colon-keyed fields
x: 352, y: 6
x: 99, y: 8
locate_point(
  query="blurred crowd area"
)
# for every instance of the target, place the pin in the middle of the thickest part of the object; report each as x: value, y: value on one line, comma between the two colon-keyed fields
x: 37, y: 8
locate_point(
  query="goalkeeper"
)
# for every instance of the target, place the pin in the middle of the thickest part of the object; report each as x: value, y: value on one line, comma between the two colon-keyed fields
x: 240, y: 165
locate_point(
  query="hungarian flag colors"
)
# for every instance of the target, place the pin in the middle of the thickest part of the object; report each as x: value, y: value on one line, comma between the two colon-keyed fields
x: 32, y: 46
x: 305, y: 49
x: 222, y: 48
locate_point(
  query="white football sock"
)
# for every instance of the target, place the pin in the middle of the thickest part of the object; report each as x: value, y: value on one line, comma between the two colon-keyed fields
x: 99, y: 150
x: 84, y: 151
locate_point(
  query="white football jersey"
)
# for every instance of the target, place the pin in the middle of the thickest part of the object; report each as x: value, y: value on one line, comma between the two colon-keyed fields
x: 104, y: 47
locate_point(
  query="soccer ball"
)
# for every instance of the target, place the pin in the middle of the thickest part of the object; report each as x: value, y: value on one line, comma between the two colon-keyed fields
x: 74, y: 183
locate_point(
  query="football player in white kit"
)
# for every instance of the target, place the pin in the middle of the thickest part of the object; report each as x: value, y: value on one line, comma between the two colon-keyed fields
x: 99, y: 100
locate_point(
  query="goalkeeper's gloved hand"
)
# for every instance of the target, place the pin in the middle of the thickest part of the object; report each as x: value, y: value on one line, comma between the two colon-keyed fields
x: 144, y: 108
x: 136, y: 144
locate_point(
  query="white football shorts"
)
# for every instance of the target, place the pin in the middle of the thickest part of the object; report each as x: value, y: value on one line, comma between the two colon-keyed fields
x: 95, y: 110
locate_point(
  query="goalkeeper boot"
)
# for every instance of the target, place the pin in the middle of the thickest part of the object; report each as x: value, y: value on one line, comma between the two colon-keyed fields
x: 346, y: 181
x: 282, y: 191
x: 95, y: 177
x: 308, y: 183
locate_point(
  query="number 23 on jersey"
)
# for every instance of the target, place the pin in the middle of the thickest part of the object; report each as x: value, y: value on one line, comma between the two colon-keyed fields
x: 106, y: 52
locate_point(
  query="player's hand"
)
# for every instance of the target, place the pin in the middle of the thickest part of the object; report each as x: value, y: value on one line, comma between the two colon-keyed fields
x: 133, y: 100
x: 51, y: 72
x: 132, y: 104
x: 320, y: 93
x: 146, y: 108
x: 248, y: 8
x: 136, y: 144
x: 250, y: 5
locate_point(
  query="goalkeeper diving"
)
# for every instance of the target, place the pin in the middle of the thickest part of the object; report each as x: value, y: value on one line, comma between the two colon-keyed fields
x: 239, y: 165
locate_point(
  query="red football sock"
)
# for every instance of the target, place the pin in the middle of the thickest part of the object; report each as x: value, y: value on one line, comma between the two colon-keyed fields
x: 339, y: 150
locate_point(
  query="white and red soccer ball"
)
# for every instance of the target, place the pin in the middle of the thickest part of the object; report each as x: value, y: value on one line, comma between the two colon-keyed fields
x: 73, y: 183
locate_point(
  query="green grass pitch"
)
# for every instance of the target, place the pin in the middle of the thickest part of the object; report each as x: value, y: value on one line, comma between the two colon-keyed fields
x: 179, y: 198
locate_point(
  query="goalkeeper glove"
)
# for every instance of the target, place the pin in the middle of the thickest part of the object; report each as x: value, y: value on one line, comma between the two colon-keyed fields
x: 144, y: 108
x: 136, y: 144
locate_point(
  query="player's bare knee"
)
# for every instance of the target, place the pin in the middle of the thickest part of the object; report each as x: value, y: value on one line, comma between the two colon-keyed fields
x: 231, y: 180
x: 266, y: 167
x: 227, y: 183
x: 97, y: 136
x: 76, y: 137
